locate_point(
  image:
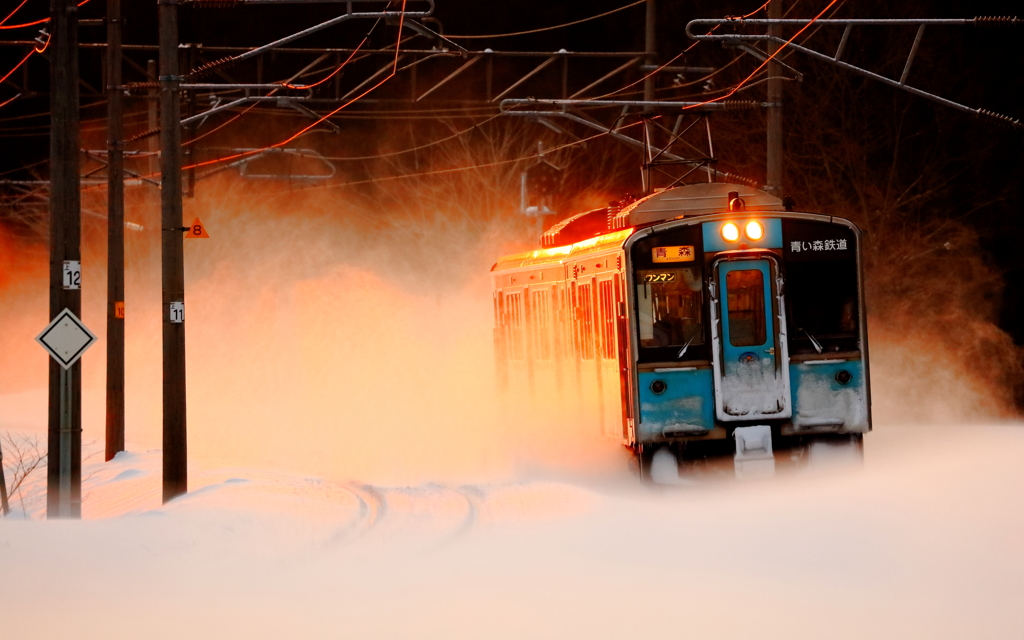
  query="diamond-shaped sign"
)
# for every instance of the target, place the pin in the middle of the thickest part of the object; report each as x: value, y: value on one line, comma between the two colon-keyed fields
x: 66, y: 338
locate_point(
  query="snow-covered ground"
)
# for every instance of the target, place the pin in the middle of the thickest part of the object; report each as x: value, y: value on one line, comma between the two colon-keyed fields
x: 924, y: 541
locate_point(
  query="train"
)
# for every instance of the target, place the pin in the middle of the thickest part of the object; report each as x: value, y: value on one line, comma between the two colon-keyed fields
x: 710, y: 321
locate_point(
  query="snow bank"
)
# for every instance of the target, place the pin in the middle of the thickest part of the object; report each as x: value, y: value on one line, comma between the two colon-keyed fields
x: 921, y: 542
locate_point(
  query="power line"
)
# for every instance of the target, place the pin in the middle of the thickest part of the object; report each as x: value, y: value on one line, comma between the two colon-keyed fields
x: 768, y: 59
x: 560, y: 26
x: 29, y: 24
x: 16, y: 10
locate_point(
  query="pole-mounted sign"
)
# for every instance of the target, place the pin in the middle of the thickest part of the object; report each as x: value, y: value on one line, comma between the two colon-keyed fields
x: 65, y: 339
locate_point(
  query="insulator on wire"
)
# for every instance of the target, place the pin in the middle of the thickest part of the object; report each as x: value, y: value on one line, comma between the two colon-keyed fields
x: 739, y: 105
x: 209, y: 66
x: 142, y: 136
x: 996, y: 21
x: 1000, y: 118
x: 214, y: 4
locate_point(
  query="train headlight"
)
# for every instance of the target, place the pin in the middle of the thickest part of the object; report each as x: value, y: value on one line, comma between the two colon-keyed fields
x: 658, y: 387
x: 754, y: 230
x: 730, y: 232
x: 844, y: 377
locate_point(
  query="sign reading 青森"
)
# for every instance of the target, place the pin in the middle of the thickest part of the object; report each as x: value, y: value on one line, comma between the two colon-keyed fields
x: 673, y: 254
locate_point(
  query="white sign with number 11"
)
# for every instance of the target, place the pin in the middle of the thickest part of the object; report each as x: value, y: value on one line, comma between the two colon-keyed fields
x: 177, y: 312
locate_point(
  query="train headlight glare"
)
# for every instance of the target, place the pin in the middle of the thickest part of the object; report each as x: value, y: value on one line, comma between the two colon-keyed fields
x: 730, y: 232
x: 754, y: 230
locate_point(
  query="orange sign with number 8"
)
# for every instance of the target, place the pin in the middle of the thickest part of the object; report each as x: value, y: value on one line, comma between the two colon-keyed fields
x: 197, y: 230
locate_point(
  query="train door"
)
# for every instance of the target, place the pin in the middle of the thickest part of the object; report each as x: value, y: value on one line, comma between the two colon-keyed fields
x: 750, y: 355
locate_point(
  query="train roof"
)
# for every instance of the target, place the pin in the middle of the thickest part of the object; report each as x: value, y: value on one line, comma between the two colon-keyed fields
x: 685, y: 201
x: 555, y: 255
x: 610, y: 227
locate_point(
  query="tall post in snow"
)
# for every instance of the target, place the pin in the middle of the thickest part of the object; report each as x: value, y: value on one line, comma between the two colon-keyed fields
x: 649, y: 48
x: 115, y: 236
x: 775, y: 172
x: 175, y: 456
x: 64, y: 429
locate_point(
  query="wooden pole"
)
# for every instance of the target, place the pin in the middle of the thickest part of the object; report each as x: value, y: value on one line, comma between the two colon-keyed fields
x: 175, y: 456
x: 64, y: 464
x: 649, y: 48
x: 115, y: 236
x: 775, y: 173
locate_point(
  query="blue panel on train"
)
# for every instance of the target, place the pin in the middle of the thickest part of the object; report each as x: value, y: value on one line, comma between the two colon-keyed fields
x: 685, y: 404
x: 713, y: 240
x: 828, y: 393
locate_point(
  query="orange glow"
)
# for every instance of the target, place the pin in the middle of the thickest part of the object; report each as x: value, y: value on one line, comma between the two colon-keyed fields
x: 754, y: 230
x: 730, y: 232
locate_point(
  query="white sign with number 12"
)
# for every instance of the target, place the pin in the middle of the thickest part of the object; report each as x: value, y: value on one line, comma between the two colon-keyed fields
x: 177, y: 312
x: 72, y: 274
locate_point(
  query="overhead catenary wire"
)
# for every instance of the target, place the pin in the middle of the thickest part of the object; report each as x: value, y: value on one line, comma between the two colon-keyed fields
x: 781, y: 48
x: 29, y: 24
x: 542, y: 29
x: 253, y: 152
x: 676, y: 57
x: 16, y: 10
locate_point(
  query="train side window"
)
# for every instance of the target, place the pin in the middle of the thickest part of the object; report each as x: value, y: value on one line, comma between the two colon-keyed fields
x: 541, y: 325
x: 670, y: 307
x: 606, y: 297
x: 514, y: 309
x: 746, y: 307
x: 585, y: 322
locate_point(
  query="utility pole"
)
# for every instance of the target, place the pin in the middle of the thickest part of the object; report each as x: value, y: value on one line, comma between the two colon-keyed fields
x: 115, y: 236
x: 64, y: 429
x: 152, y: 118
x: 175, y: 472
x: 649, y: 48
x: 775, y: 174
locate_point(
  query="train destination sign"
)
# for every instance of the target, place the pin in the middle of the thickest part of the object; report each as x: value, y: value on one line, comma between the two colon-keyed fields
x: 66, y: 338
x: 673, y: 254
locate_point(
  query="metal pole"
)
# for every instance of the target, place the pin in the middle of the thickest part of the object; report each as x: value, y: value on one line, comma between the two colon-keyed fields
x: 649, y: 47
x: 64, y: 445
x: 175, y: 457
x: 64, y: 510
x: 775, y: 172
x: 115, y: 236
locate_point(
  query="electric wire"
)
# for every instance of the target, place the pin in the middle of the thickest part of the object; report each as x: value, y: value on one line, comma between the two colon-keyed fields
x: 486, y: 165
x: 767, y: 60
x: 676, y: 57
x: 31, y: 52
x: 16, y: 10
x: 391, y: 154
x: 30, y: 24
x: 560, y: 26
x: 306, y: 129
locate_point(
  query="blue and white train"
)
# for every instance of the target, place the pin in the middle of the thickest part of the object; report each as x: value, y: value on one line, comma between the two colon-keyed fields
x: 708, y: 320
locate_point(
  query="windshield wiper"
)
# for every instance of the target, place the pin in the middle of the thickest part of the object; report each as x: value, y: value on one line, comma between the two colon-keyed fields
x: 686, y: 346
x: 815, y: 343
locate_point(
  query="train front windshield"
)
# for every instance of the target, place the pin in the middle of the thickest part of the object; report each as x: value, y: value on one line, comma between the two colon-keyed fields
x: 670, y: 307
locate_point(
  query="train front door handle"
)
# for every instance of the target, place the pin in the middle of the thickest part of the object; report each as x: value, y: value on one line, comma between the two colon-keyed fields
x: 770, y: 351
